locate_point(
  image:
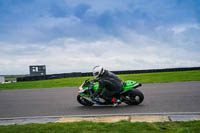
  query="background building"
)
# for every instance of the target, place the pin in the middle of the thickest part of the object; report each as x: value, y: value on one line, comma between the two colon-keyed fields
x: 2, y: 79
x: 37, y: 70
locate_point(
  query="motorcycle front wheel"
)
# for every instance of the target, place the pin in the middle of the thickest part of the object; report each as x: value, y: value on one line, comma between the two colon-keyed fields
x: 84, y: 101
x: 134, y: 97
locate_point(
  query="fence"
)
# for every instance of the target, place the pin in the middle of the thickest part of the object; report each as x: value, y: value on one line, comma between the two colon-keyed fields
x: 79, y: 74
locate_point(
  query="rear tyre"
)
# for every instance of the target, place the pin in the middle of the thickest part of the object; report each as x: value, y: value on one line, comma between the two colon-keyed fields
x: 84, y: 101
x: 134, y: 97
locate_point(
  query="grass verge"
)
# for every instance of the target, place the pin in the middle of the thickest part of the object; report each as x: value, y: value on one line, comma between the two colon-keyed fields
x: 162, y: 77
x: 93, y: 127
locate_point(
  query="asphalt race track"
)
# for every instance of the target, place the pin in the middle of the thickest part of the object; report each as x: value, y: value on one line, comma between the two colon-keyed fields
x: 159, y: 98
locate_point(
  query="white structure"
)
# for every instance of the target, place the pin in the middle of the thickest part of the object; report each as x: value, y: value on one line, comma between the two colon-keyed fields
x: 2, y: 79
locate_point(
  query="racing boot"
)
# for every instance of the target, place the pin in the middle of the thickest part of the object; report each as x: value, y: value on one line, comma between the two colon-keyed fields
x: 116, y: 102
x: 95, y: 99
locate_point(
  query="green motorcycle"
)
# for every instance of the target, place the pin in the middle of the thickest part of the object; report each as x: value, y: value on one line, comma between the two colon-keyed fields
x: 130, y: 95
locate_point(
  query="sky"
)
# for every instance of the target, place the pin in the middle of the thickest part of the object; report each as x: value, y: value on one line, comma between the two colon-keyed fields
x: 76, y: 35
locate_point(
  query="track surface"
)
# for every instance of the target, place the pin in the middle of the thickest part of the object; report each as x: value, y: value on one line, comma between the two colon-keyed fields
x: 159, y: 98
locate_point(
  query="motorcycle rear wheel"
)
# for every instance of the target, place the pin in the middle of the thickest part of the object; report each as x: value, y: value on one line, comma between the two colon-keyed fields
x: 84, y: 101
x: 134, y: 97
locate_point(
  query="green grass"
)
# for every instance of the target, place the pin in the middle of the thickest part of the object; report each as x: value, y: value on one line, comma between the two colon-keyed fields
x: 162, y: 77
x: 65, y: 82
x: 92, y: 127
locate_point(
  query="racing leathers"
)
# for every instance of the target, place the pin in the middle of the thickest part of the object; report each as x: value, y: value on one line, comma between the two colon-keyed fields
x: 112, y: 84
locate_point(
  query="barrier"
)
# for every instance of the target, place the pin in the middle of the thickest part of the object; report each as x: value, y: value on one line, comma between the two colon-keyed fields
x: 86, y: 74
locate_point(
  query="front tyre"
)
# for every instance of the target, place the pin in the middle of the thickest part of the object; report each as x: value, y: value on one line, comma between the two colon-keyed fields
x: 84, y: 101
x: 134, y: 97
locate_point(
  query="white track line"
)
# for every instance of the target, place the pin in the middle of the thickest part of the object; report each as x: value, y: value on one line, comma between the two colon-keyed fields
x: 101, y: 115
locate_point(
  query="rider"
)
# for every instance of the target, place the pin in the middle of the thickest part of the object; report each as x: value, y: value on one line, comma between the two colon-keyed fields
x: 109, y: 81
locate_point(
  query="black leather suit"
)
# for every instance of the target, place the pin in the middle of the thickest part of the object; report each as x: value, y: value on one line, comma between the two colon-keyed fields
x: 112, y: 84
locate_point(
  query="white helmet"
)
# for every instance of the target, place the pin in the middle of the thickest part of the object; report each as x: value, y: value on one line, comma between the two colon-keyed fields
x: 98, y: 71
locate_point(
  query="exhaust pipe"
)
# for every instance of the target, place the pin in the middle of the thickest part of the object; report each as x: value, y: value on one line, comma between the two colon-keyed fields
x: 137, y: 85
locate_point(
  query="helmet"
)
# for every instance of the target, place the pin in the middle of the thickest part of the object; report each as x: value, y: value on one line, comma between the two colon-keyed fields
x: 98, y: 71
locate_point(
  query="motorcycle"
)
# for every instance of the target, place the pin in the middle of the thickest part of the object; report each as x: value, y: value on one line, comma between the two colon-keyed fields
x: 129, y: 95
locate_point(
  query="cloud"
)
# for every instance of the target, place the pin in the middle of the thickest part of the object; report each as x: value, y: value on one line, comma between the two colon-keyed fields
x: 73, y: 55
x: 68, y: 35
x: 177, y: 29
x: 43, y: 21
